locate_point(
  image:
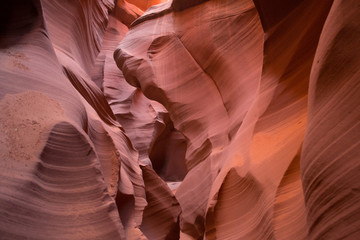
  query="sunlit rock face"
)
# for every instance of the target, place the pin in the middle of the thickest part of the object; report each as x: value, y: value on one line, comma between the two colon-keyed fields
x: 145, y: 4
x: 231, y: 119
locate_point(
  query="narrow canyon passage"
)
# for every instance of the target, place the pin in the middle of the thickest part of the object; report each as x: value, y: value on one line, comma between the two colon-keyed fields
x: 179, y: 119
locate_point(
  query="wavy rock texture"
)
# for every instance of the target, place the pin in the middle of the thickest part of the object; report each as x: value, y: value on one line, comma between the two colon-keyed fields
x: 234, y: 77
x: 330, y: 166
x: 64, y: 158
x: 206, y: 119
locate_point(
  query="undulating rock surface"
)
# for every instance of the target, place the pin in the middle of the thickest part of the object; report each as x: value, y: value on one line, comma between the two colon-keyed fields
x: 180, y: 119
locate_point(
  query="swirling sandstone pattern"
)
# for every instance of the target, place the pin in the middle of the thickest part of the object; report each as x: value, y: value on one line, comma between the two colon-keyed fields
x: 202, y: 119
x: 63, y: 155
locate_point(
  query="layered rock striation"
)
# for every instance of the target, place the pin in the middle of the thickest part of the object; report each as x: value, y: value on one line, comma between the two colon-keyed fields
x: 183, y: 120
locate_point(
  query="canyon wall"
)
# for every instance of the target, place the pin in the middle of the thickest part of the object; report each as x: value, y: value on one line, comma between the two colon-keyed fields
x: 218, y: 119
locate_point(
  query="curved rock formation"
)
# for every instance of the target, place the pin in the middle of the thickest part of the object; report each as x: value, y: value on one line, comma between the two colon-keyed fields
x: 204, y: 119
x: 63, y: 155
x: 330, y: 166
x: 234, y: 78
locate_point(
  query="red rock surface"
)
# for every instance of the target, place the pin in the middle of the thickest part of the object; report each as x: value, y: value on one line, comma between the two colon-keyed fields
x: 184, y: 120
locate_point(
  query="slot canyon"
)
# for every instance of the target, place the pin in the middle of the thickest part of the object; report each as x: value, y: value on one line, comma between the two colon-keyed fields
x: 180, y: 119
